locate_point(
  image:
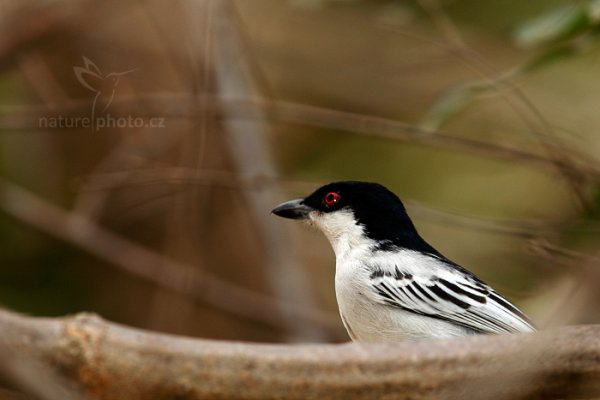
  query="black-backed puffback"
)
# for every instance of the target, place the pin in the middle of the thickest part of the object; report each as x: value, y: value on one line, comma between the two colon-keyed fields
x: 390, y: 283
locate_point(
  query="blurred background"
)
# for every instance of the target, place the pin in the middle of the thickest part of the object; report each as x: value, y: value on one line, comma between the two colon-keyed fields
x: 144, y: 143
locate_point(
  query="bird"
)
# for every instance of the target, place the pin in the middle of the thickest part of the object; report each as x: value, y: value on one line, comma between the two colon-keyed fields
x: 390, y: 284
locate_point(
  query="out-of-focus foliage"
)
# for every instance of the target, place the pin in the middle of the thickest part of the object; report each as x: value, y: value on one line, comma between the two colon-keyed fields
x: 559, y: 24
x: 557, y: 34
x: 491, y: 143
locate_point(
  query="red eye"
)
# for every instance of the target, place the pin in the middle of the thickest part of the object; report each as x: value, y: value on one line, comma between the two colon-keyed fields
x: 331, y: 198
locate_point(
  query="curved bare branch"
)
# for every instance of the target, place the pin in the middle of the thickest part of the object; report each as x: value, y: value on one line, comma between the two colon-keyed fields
x: 106, y: 360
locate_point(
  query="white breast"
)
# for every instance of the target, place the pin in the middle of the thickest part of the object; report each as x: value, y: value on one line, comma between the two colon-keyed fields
x: 365, y: 319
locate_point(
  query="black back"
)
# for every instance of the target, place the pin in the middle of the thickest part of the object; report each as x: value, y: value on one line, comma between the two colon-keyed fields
x: 378, y: 210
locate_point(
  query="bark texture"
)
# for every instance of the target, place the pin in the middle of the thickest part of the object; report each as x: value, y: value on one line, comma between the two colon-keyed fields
x: 103, y: 360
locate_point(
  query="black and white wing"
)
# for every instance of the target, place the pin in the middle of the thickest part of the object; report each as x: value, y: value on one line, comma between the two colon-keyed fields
x: 455, y: 297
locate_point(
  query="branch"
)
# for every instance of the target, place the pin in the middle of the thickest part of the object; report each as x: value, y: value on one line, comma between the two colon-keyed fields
x: 578, y: 163
x: 249, y: 149
x: 106, y: 360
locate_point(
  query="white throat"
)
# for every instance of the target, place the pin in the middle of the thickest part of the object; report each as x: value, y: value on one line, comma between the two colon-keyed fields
x: 344, y: 234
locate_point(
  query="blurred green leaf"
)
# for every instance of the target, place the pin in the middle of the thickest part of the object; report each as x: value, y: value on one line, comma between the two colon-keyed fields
x: 452, y: 102
x: 558, y: 24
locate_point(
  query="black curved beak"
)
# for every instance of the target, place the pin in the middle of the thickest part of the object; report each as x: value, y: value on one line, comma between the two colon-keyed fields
x: 293, y: 209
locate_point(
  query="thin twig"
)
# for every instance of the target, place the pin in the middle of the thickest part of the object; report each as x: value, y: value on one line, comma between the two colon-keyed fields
x: 24, y: 117
x: 459, y: 47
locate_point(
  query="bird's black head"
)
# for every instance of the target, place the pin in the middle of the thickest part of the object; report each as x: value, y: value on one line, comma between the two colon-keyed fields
x: 373, y: 207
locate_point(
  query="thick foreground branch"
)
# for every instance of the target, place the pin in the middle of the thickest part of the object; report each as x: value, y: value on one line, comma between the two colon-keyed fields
x: 103, y: 360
